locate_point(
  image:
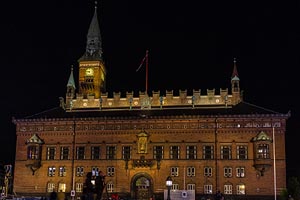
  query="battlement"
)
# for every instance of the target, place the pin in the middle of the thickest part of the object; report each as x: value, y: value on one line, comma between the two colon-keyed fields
x: 155, y: 99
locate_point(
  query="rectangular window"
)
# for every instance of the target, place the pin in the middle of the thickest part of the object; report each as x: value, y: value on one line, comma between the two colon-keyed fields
x: 208, y: 152
x: 241, y: 189
x: 111, y: 152
x: 110, y: 171
x: 174, y: 152
x: 50, y: 187
x: 62, y: 187
x: 191, y: 186
x: 95, y: 171
x: 51, y: 171
x: 227, y: 172
x: 79, y: 187
x: 80, y: 153
x: 95, y: 153
x: 51, y: 153
x: 62, y: 171
x: 175, y: 186
x: 242, y: 153
x: 79, y: 171
x: 227, y: 189
x: 158, y: 152
x: 263, y: 151
x: 208, y: 171
x: 207, y: 189
x: 190, y: 171
x: 33, y: 152
x: 174, y: 171
x: 226, y: 152
x: 110, y: 187
x: 191, y: 152
x: 240, y: 172
x: 126, y: 152
x: 64, y: 153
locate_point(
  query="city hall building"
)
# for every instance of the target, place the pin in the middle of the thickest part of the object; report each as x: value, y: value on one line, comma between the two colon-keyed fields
x: 205, y: 140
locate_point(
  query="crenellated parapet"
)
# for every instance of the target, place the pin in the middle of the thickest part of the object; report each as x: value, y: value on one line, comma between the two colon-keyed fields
x: 156, y: 99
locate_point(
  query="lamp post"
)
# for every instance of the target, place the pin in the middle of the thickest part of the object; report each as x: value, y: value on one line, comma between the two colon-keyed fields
x: 169, y: 185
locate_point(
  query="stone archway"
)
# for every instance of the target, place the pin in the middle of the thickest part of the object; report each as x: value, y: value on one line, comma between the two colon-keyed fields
x: 141, y: 186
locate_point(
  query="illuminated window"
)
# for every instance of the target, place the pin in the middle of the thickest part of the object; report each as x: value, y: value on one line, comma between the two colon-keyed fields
x: 110, y: 187
x: 50, y: 187
x: 95, y: 171
x: 62, y: 171
x: 33, y: 152
x: 51, y: 171
x: 62, y: 187
x: 207, y: 189
x: 240, y: 172
x: 240, y: 189
x: 263, y: 151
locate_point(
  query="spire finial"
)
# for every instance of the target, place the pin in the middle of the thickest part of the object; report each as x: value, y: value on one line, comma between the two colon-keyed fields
x: 71, y: 67
x: 234, y: 73
x: 96, y: 4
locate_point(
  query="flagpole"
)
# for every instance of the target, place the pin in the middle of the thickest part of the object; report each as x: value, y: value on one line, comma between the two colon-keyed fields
x: 146, y: 85
x: 274, y: 163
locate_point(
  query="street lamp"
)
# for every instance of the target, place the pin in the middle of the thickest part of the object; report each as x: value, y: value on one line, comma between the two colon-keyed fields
x: 169, y: 185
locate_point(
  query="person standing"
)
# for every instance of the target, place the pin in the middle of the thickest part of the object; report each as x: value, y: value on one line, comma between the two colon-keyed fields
x: 100, y: 185
x: 88, y: 188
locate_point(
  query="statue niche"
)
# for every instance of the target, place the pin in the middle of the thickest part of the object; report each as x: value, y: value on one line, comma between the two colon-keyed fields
x: 142, y: 142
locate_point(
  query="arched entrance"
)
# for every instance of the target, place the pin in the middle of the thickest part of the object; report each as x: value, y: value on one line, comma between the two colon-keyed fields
x: 141, y: 186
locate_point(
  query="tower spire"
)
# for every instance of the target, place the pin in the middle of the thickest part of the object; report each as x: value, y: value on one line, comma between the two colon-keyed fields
x: 94, y: 42
x: 235, y: 84
x: 235, y: 74
x: 92, y: 71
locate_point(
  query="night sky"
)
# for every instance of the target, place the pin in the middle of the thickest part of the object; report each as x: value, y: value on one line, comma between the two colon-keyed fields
x: 191, y: 46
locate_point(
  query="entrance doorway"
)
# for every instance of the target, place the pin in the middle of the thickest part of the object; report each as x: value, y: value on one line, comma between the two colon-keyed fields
x: 142, y: 187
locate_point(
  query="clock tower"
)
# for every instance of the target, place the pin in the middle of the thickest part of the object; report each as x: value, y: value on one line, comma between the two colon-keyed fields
x: 92, y: 72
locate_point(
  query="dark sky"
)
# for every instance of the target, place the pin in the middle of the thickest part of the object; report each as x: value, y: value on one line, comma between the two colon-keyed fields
x: 191, y: 46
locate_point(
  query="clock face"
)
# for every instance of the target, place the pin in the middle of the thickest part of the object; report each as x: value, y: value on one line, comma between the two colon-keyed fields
x: 89, y: 72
